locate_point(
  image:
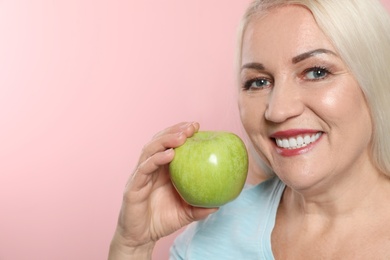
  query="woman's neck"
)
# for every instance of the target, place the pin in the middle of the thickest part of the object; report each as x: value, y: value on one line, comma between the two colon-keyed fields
x: 340, y: 197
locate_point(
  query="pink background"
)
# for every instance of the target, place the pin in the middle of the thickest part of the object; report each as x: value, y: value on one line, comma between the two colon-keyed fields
x: 84, y: 85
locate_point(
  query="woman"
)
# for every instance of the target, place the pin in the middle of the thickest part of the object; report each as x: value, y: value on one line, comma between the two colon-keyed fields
x: 314, y: 101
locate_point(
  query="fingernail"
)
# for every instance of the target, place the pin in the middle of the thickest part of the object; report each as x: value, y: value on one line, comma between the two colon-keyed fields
x: 168, y: 150
x: 194, y: 124
x: 185, y: 126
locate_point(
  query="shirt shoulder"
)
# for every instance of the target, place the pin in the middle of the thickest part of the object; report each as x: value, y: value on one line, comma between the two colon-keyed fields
x: 235, y: 230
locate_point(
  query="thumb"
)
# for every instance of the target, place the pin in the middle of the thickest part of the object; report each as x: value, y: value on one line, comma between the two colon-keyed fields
x: 201, y: 213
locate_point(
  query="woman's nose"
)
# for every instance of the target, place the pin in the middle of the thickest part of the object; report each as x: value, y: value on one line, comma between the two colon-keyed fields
x: 284, y: 102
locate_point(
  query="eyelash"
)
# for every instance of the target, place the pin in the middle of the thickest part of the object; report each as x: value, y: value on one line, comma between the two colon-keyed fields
x: 248, y: 84
x: 317, y: 69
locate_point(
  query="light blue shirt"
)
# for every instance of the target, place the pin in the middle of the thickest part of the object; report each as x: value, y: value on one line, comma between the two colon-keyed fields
x: 239, y: 230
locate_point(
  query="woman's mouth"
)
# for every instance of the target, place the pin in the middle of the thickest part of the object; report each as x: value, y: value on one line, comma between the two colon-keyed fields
x: 298, y: 141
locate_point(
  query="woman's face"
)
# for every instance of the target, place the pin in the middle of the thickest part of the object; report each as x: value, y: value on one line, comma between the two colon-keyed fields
x: 301, y: 107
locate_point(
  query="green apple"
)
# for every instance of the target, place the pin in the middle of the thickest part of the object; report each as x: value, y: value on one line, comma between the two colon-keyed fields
x: 210, y: 168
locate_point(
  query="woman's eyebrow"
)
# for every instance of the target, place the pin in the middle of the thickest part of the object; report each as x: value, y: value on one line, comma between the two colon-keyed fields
x: 253, y: 65
x: 309, y: 54
x: 296, y: 59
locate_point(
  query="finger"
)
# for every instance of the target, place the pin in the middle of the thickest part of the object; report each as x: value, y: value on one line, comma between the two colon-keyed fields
x: 201, y: 213
x: 161, y: 144
x: 196, y: 213
x: 169, y: 138
x: 143, y: 174
x: 180, y: 127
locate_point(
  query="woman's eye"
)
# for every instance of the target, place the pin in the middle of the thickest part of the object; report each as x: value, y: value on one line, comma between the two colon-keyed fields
x: 316, y: 73
x: 259, y: 83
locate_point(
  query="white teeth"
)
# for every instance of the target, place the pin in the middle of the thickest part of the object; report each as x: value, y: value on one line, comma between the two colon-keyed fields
x: 298, y: 141
x: 292, y: 142
x: 307, y: 139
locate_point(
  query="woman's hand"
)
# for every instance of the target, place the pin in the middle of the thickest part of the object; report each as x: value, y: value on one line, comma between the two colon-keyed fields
x: 151, y: 207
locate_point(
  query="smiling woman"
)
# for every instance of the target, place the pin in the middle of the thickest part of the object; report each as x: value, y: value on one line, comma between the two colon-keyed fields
x: 298, y: 107
x: 313, y: 100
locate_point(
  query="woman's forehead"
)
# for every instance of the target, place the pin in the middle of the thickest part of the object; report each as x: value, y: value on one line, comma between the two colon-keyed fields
x: 288, y: 30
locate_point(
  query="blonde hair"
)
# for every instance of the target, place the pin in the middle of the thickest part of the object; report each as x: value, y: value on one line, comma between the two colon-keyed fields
x: 360, y: 32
